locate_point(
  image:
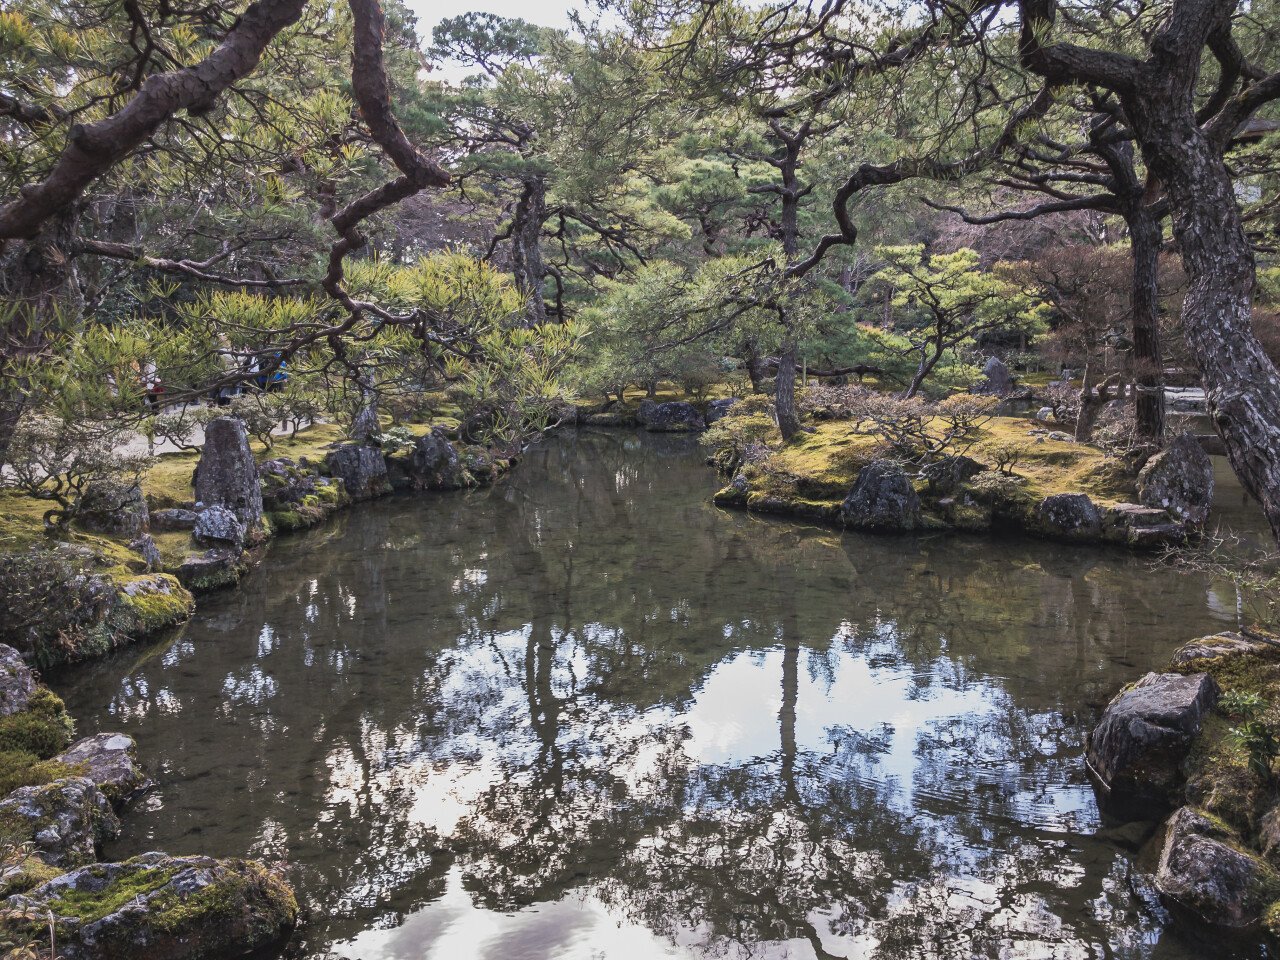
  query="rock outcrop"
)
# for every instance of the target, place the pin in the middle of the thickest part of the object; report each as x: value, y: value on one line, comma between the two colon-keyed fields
x: 17, y: 683
x: 362, y: 470
x: 1179, y: 479
x: 996, y: 381
x: 65, y: 821
x: 1206, y: 875
x: 883, y: 499
x: 943, y: 476
x: 1137, y: 749
x: 434, y: 463
x: 157, y: 907
x: 719, y: 409
x: 226, y: 475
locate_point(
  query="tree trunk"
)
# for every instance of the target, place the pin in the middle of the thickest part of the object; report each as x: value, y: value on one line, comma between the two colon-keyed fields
x: 1241, y: 383
x: 1148, y: 363
x: 784, y: 400
x: 526, y: 247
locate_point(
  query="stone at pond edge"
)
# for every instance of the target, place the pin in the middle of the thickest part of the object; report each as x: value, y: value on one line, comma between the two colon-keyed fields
x: 157, y: 907
x: 226, y: 475
x: 1203, y: 873
x: 434, y: 463
x: 218, y: 526
x: 110, y: 760
x: 1137, y: 749
x: 882, y: 498
x: 210, y: 570
x: 997, y: 381
x: 1069, y: 516
x: 65, y: 821
x: 1179, y: 479
x: 674, y: 417
x: 362, y: 470
x: 1220, y: 645
x: 17, y: 683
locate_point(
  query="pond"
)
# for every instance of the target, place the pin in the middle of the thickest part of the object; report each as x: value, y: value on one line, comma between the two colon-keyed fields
x: 585, y: 714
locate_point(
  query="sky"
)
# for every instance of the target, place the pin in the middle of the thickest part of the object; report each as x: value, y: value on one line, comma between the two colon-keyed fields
x: 545, y: 13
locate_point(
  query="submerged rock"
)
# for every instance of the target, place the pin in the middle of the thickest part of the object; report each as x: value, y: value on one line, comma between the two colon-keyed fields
x: 1205, y: 874
x: 674, y: 417
x: 226, y: 475
x: 882, y: 498
x: 1179, y: 479
x: 157, y: 907
x: 1137, y: 749
x: 110, y: 760
x: 17, y: 682
x: 362, y: 470
x: 1069, y: 516
x: 65, y: 821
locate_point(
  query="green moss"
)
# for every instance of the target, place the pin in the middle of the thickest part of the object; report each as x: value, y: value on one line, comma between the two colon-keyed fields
x: 87, y: 906
x: 168, y: 482
x: 42, y: 730
x: 157, y: 601
x: 27, y: 875
x: 18, y: 768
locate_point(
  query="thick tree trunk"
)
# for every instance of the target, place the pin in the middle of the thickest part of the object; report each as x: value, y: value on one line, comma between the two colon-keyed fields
x: 784, y: 400
x: 1241, y: 383
x: 1148, y: 363
x: 526, y: 247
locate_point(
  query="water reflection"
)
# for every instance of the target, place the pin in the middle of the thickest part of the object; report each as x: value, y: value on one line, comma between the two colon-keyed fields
x: 585, y: 714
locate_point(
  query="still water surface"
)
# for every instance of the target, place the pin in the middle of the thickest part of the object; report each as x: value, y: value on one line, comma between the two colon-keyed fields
x: 585, y: 714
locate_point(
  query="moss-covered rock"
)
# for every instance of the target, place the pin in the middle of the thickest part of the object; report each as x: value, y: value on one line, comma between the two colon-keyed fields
x: 149, y: 604
x: 64, y: 821
x: 156, y: 907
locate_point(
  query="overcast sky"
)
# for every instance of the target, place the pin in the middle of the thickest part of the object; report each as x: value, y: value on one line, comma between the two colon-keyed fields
x: 545, y: 13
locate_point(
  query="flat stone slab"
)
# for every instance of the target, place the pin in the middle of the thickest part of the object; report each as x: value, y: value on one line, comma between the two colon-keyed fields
x: 1137, y: 749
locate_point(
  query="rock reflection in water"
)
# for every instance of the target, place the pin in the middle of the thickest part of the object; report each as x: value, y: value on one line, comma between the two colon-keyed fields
x: 585, y: 714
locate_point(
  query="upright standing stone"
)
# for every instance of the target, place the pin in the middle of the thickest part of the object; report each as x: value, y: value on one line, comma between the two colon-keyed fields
x: 1179, y: 479
x: 226, y: 475
x: 997, y: 381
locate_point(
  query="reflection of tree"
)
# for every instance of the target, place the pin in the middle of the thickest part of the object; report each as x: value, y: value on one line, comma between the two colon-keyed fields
x: 499, y: 681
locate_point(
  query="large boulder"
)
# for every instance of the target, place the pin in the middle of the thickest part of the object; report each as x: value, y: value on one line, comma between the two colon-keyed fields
x: 17, y: 683
x: 1069, y: 516
x: 1220, y: 645
x: 114, y: 508
x: 996, y: 381
x: 1205, y: 874
x: 434, y: 463
x: 110, y: 760
x: 1179, y: 479
x: 159, y: 907
x: 674, y: 417
x: 65, y: 821
x: 218, y: 526
x: 226, y: 475
x: 882, y: 498
x: 1136, y: 751
x: 362, y: 470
